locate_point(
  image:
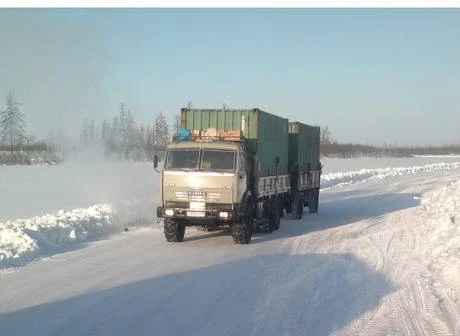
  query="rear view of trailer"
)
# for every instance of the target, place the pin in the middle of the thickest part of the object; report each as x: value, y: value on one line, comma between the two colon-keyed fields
x: 304, y: 162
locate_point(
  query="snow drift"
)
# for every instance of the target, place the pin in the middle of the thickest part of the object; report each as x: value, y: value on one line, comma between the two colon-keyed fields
x: 363, y: 175
x: 442, y: 229
x: 27, y: 238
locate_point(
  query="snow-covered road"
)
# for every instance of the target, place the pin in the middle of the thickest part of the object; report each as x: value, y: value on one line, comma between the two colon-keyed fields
x: 381, y: 257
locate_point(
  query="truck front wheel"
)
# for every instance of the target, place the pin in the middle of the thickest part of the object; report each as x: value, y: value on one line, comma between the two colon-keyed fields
x: 174, y: 230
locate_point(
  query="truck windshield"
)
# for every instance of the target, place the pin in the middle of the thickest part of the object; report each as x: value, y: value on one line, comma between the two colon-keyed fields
x: 183, y: 158
x: 217, y: 159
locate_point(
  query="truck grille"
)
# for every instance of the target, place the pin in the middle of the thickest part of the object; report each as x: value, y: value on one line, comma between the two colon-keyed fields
x: 195, y: 195
x: 182, y: 195
x: 214, y: 197
x: 180, y: 205
x: 186, y: 205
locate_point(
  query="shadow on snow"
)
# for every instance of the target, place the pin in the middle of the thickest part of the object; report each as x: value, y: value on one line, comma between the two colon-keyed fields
x: 311, y: 294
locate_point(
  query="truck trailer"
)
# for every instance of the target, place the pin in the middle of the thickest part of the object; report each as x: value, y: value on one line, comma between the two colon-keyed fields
x: 237, y: 168
x: 304, y: 168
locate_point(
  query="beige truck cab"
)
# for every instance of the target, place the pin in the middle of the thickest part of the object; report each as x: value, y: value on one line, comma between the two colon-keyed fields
x: 202, y: 183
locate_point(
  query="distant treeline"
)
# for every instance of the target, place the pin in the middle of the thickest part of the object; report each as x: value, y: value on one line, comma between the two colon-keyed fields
x: 350, y: 150
x: 123, y: 138
x: 38, y: 146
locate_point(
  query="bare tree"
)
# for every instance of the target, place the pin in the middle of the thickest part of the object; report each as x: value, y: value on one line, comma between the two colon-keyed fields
x: 149, y: 145
x: 160, y: 133
x: 326, y: 137
x: 84, y: 133
x: 12, y: 125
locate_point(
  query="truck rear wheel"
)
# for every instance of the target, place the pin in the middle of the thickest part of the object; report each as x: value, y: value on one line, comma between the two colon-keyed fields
x: 314, y: 204
x: 274, y: 214
x: 288, y: 206
x: 242, y: 229
x: 174, y: 230
x: 297, y: 206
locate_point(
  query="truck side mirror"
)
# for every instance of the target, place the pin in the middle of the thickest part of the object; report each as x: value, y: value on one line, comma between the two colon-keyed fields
x: 155, y: 161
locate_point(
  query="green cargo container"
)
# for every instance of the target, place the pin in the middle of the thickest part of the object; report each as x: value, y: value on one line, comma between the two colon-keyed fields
x: 303, y: 146
x: 267, y: 134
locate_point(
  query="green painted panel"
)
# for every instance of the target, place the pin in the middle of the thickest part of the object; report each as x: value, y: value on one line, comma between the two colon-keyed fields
x: 267, y: 133
x: 304, y: 146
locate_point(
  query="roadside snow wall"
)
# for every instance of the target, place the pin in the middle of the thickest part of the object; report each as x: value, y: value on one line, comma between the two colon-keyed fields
x: 441, y: 227
x: 341, y: 179
x: 27, y: 238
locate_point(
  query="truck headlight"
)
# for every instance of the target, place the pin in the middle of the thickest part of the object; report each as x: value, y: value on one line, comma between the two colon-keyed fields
x: 223, y: 214
x: 169, y: 212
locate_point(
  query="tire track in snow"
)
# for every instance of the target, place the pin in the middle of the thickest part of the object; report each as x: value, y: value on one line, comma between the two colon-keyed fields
x: 392, y: 245
x: 447, y: 306
x: 421, y: 312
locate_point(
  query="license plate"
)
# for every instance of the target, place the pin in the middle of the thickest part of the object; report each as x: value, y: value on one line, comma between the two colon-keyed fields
x: 197, y: 205
x: 195, y: 214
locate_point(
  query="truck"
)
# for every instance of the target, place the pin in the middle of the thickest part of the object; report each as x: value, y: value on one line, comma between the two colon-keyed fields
x: 239, y: 169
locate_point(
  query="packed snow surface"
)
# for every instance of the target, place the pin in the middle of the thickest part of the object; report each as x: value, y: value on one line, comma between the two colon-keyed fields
x: 381, y: 257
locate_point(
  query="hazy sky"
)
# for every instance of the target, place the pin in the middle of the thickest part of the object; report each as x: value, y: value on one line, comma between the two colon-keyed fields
x: 372, y: 76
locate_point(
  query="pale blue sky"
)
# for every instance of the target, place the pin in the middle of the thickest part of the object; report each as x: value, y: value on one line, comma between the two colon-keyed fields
x: 372, y: 75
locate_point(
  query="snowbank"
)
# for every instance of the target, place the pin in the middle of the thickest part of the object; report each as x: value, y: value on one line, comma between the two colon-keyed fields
x: 363, y: 175
x: 442, y: 229
x: 27, y: 238
x: 29, y: 158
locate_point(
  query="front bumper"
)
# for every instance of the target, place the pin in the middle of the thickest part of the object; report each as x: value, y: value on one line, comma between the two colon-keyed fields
x: 221, y: 214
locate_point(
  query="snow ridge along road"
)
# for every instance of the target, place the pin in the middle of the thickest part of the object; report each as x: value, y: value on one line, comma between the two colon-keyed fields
x: 380, y: 258
x: 340, y: 179
x: 22, y: 239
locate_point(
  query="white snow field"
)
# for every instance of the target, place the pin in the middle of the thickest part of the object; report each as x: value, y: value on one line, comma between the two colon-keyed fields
x: 382, y: 257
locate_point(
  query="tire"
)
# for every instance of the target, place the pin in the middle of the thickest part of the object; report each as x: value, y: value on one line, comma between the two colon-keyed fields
x: 274, y: 214
x: 297, y: 206
x: 242, y: 229
x: 313, y: 207
x: 174, y: 230
x: 288, y: 206
x: 265, y: 226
